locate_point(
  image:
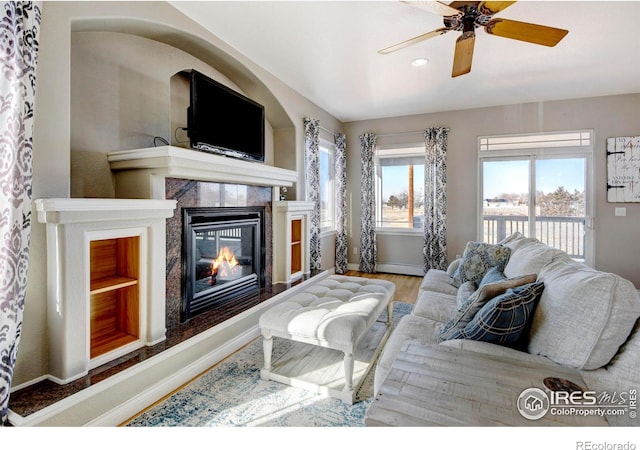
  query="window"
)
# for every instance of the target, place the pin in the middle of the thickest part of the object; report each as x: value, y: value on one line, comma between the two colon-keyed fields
x: 327, y: 187
x: 400, y: 188
x: 538, y: 185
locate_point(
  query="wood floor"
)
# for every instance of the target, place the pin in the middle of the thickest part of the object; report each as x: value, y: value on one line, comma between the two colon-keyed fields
x: 406, y: 285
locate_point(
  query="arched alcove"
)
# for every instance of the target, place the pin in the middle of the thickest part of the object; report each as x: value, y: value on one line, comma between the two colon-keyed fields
x: 143, y: 95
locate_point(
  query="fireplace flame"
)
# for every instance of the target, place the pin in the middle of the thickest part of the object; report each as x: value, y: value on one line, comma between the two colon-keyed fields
x: 225, y: 265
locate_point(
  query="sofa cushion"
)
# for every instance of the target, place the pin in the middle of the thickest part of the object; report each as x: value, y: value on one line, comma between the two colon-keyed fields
x: 517, y: 240
x: 530, y: 257
x: 409, y: 327
x: 435, y: 306
x: 438, y: 281
x: 584, y: 315
x: 477, y: 259
x: 504, y: 318
x: 494, y: 283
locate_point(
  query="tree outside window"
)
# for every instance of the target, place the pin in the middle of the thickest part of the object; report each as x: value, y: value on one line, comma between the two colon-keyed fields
x: 400, y: 190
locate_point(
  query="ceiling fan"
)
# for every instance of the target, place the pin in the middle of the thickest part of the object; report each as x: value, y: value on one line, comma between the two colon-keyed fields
x: 466, y: 16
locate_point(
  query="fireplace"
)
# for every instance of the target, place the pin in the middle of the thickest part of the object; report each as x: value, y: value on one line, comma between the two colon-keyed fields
x: 223, y: 255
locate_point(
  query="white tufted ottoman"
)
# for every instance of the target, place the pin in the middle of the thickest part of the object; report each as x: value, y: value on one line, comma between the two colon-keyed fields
x: 336, y: 313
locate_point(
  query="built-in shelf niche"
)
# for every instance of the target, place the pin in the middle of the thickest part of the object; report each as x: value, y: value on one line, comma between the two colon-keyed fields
x: 114, y: 270
x: 104, y: 295
x: 296, y: 246
x: 291, y: 259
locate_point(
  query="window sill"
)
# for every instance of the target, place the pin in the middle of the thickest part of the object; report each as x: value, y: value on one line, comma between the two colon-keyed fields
x: 327, y: 232
x: 392, y: 231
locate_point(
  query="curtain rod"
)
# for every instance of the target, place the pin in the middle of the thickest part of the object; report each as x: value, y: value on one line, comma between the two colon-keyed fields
x: 383, y: 135
x: 405, y: 132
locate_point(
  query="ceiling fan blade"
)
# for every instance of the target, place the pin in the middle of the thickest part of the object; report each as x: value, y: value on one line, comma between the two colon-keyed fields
x: 438, y: 8
x: 415, y: 40
x: 528, y: 32
x: 491, y: 8
x: 460, y: 4
x: 464, y: 54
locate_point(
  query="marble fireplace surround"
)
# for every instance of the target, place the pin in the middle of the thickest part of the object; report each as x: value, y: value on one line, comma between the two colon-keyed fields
x: 204, y: 194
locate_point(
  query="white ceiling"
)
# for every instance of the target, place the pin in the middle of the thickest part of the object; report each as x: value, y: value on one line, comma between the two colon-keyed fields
x: 327, y: 51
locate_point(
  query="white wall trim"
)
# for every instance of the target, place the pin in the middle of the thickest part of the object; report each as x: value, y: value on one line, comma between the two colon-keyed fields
x: 398, y: 269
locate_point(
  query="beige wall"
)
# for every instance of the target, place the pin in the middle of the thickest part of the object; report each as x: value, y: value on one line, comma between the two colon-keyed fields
x: 616, y: 242
x: 156, y: 21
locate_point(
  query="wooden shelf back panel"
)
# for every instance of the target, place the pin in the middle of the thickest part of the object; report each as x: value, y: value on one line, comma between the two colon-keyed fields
x: 114, y: 315
x: 128, y: 256
x: 296, y: 258
x: 104, y: 309
x: 103, y: 258
x: 115, y: 257
x: 296, y: 245
x: 296, y: 230
x: 115, y: 293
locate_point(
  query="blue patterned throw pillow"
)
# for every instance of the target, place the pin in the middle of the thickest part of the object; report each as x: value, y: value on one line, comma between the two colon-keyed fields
x: 494, y: 283
x: 504, y: 318
x: 477, y: 259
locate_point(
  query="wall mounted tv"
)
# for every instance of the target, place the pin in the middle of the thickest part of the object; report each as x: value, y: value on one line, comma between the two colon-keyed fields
x: 222, y: 121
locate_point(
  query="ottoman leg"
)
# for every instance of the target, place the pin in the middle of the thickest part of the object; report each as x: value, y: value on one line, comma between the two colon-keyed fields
x: 267, y: 347
x: 347, y: 392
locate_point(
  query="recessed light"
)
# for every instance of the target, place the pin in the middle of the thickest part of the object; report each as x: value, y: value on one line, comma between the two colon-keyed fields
x: 419, y: 62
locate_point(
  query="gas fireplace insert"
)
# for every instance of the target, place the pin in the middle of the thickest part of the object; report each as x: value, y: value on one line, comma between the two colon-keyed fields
x: 223, y: 256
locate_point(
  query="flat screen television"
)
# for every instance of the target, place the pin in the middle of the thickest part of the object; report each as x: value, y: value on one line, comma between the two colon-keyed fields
x: 223, y: 121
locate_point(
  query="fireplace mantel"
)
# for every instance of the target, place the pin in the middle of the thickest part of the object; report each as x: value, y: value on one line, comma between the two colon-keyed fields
x: 141, y: 173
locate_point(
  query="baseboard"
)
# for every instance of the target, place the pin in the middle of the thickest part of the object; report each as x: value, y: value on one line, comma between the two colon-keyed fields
x: 398, y: 269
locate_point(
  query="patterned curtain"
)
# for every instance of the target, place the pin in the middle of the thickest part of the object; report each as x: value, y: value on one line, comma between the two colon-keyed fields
x: 341, y: 202
x: 368, y: 249
x: 312, y: 168
x: 435, y: 204
x: 19, y: 27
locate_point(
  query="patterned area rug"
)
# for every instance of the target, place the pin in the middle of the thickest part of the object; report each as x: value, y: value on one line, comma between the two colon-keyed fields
x: 232, y: 394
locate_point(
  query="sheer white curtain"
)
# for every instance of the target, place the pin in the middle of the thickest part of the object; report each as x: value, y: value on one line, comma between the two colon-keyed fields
x: 435, y: 205
x: 19, y: 30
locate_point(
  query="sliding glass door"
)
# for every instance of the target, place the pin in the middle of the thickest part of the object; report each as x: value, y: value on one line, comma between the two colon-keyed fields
x: 542, y: 194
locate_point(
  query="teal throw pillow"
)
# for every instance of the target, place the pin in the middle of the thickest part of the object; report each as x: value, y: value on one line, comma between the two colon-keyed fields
x: 477, y: 259
x: 503, y: 319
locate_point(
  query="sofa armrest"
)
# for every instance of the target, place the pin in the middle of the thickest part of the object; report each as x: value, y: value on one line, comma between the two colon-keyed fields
x: 453, y: 266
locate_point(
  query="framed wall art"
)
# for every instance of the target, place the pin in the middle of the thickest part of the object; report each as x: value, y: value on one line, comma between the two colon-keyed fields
x: 623, y: 169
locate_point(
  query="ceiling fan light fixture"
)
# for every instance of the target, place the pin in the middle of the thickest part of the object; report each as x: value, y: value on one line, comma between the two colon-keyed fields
x: 466, y: 16
x: 419, y: 62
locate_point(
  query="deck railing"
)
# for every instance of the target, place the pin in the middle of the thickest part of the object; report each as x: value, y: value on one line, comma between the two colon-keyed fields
x: 564, y: 233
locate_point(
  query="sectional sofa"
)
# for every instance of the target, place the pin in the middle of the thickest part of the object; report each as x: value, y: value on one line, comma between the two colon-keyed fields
x: 572, y: 316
